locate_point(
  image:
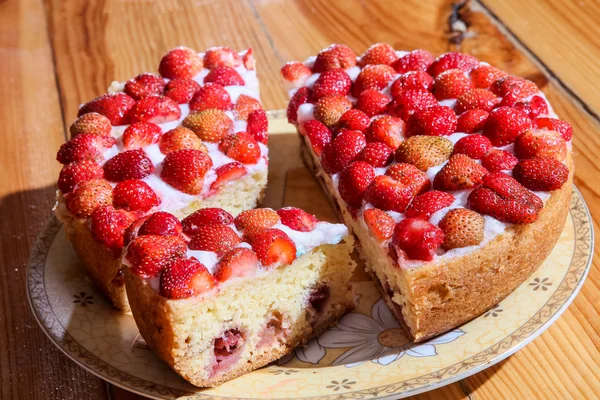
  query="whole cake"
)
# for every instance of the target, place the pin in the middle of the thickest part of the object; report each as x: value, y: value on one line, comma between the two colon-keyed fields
x: 216, y: 297
x: 193, y: 136
x: 454, y: 176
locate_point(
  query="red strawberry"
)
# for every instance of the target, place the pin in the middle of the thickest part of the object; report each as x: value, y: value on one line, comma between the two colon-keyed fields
x: 462, y: 227
x: 411, y: 176
x: 472, y: 121
x: 373, y: 77
x: 299, y: 98
x: 211, y: 95
x: 156, y: 109
x: 461, y: 172
x: 562, y: 127
x: 180, y: 138
x: 114, y: 106
x: 184, y: 278
x: 130, y: 164
x: 108, y: 226
x: 388, y: 194
x: 517, y: 88
x: 141, y: 134
x: 342, y: 151
x: 474, y: 146
x: 227, y: 173
x: 371, y: 102
x: 379, y: 53
x: 418, y: 239
x: 451, y: 84
x: 416, y: 60
x: 424, y: 152
x: 386, y: 129
x: 354, y: 181
x: 256, y: 218
x: 541, y: 173
x: 412, y: 80
x: 297, y: 219
x: 379, y: 223
x: 144, y: 85
x: 185, y: 170
x: 433, y: 121
x: 241, y: 147
x: 335, y: 56
x: 452, y: 60
x: 273, y: 247
x: 409, y: 101
x: 497, y: 160
x: 476, y: 99
x: 205, y: 216
x: 88, y: 196
x: 224, y: 76
x: 76, y: 172
x: 245, y: 105
x: 216, y: 238
x: 376, y: 154
x: 318, y: 134
x: 484, y: 75
x: 249, y: 60
x: 330, y: 109
x: 237, y: 263
x: 85, y: 146
x: 221, y: 57
x: 149, y: 254
x: 161, y: 223
x: 540, y: 143
x: 258, y: 126
x: 295, y: 72
x: 354, y: 120
x: 134, y: 195
x: 534, y: 107
x: 181, y: 90
x: 180, y: 62
x: 425, y: 205
x: 332, y: 82
x: 504, y: 125
x: 209, y: 125
x: 92, y: 123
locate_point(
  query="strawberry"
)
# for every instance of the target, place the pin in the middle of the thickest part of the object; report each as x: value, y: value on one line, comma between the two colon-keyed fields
x: 221, y: 57
x: 141, y: 134
x: 249, y: 60
x: 518, y: 88
x: 318, y: 134
x: 161, y: 223
x: 216, y: 238
x: 297, y: 219
x: 497, y: 160
x: 330, y: 109
x: 180, y: 138
x: 134, y: 195
x: 412, y: 80
x: 342, y: 151
x: 504, y: 125
x: 425, y: 205
x: 155, y: 109
x: 484, y: 75
x: 244, y: 106
x: 379, y: 53
x: 418, y: 239
x: 209, y: 125
x: 108, y: 226
x: 452, y: 60
x: 541, y: 173
x: 258, y: 126
x: 181, y: 90
x: 472, y: 121
x: 371, y: 102
x: 144, y: 85
x: 355, y: 119
x: 433, y: 121
x: 386, y: 129
x: 462, y: 227
x: 185, y: 278
x: 410, y: 176
x: 300, y: 97
x: 114, y: 106
x: 354, y: 181
x: 185, y: 170
x: 540, y: 143
x: 373, y: 77
x: 295, y: 73
x: 451, y: 84
x: 333, y: 82
x: 379, y: 223
x: 416, y: 60
x: 409, y: 101
x: 130, y: 164
x: 211, y: 95
x: 237, y: 263
x: 461, y: 172
x: 76, y: 172
x: 474, y: 146
x: 562, y: 127
x: 180, y: 62
x: 149, y: 254
x: 85, y: 146
x: 424, y: 152
x: 205, y: 216
x: 241, y: 147
x: 534, y: 107
x: 386, y: 193
x: 273, y: 247
x: 335, y: 56
x: 88, y: 196
x: 227, y: 173
x: 256, y: 218
x: 224, y: 76
x: 92, y: 123
x: 476, y: 99
x: 376, y: 154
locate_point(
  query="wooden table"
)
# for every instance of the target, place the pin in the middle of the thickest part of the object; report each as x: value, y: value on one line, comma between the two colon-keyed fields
x: 56, y: 54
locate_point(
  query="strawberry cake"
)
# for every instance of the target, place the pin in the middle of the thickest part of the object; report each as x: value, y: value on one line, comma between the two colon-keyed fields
x: 192, y: 136
x: 191, y: 283
x: 453, y: 175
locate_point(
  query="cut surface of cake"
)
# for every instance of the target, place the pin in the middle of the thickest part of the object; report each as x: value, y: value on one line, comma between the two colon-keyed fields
x: 193, y: 136
x: 453, y: 175
x: 216, y: 296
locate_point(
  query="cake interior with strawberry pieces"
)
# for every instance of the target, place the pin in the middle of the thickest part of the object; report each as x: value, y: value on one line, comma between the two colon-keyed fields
x: 216, y: 296
x: 453, y: 175
x: 192, y: 136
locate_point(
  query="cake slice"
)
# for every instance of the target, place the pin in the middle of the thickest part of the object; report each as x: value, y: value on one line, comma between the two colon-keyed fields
x: 216, y: 297
x: 454, y: 176
x: 193, y: 136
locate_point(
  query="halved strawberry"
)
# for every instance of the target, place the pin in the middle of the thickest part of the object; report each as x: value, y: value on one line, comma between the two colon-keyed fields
x: 180, y: 62
x: 237, y: 263
x: 144, y: 85
x: 416, y: 60
x: 386, y: 129
x: 425, y: 205
x: 205, y: 216
x: 141, y: 134
x: 541, y: 173
x: 85, y: 146
x: 300, y: 97
x: 498, y: 160
x: 134, y: 195
x: 297, y: 219
x: 228, y: 173
x: 249, y: 60
x: 216, y: 238
x: 462, y: 227
x: 181, y: 90
x: 412, y: 80
x: 335, y: 56
x: 379, y: 53
x: 534, y: 107
x: 562, y: 127
x: 424, y: 152
x: 333, y: 82
x: 379, y: 223
x: 88, y: 196
x: 257, y: 125
x: 318, y: 134
x: 386, y: 193
x: 515, y: 88
x: 221, y: 57
x: 184, y: 278
x: 484, y: 76
x: 209, y: 125
x: 108, y: 226
x: 354, y: 181
x: 371, y: 102
x: 130, y: 164
x: 76, y: 172
x: 241, y: 147
x: 224, y: 76
x: 114, y: 106
x: 409, y: 101
x: 354, y: 119
x: 452, y: 60
x: 342, y: 151
x: 161, y: 223
x: 433, y: 121
x: 481, y: 99
x: 149, y: 254
x: 185, y: 170
x: 273, y: 247
x: 211, y: 95
x: 461, y: 172
x: 180, y: 138
x: 92, y: 123
x: 373, y: 77
x: 411, y: 176
x: 256, y: 218
x: 474, y: 146
x: 451, y: 84
x: 245, y: 105
x: 295, y: 73
x: 418, y: 239
x: 330, y: 109
x: 376, y: 154
x: 155, y: 109
x: 504, y: 125
x: 540, y: 143
x: 472, y: 121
